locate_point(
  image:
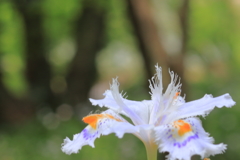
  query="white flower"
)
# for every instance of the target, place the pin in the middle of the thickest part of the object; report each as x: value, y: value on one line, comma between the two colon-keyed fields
x: 165, y: 122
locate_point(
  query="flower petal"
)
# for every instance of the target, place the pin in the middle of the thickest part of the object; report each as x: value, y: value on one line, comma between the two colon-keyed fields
x: 202, y: 106
x: 138, y: 111
x: 185, y: 138
x: 156, y: 88
x: 99, y: 124
x: 166, y: 103
x: 108, y: 101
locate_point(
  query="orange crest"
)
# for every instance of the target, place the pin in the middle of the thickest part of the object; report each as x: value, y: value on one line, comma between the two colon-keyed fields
x: 183, y: 126
x: 93, y: 119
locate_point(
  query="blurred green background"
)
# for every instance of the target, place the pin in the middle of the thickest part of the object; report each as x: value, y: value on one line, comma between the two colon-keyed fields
x: 55, y: 54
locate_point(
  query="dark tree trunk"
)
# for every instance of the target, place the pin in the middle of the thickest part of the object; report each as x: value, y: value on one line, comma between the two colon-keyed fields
x: 12, y: 110
x: 89, y: 32
x: 149, y: 41
x: 147, y: 35
x: 4, y: 96
x: 38, y: 72
x: 177, y: 62
x: 183, y: 17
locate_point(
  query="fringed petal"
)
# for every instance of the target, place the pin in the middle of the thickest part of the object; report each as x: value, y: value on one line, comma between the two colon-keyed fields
x: 164, y: 103
x: 202, y: 106
x: 136, y: 110
x: 108, y: 101
x: 156, y: 88
x: 99, y: 124
x: 185, y: 138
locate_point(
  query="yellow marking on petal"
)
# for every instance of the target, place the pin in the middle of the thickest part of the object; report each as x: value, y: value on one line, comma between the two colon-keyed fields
x: 93, y: 119
x: 183, y: 127
x: 206, y: 159
x: 176, y: 95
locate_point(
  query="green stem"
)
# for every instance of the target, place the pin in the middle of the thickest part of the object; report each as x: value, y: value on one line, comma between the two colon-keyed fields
x: 151, y: 151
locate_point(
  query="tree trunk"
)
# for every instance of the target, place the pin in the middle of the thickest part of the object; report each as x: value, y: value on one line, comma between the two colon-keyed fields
x: 89, y: 32
x: 177, y: 62
x: 147, y: 35
x: 12, y: 110
x: 38, y: 72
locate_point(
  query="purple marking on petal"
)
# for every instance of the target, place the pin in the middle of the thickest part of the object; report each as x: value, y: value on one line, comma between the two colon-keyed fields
x: 168, y: 131
x: 179, y: 145
x: 184, y: 143
x: 87, y: 135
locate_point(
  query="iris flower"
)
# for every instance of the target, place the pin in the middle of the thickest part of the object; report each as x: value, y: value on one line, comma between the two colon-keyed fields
x: 166, y: 122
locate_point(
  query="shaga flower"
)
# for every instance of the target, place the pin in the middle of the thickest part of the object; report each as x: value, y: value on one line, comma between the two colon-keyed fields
x: 166, y: 122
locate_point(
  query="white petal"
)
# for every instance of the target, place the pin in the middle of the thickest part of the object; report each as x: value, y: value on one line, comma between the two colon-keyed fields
x: 146, y: 134
x: 133, y: 109
x: 202, y: 106
x: 108, y: 101
x: 104, y: 126
x: 156, y: 88
x: 187, y: 142
x: 163, y: 104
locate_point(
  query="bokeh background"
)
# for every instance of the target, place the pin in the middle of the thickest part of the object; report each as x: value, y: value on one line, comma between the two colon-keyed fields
x: 55, y: 54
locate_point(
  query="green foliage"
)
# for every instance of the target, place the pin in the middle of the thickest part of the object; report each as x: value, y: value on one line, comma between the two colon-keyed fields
x: 12, y: 49
x: 211, y: 23
x: 35, y: 142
